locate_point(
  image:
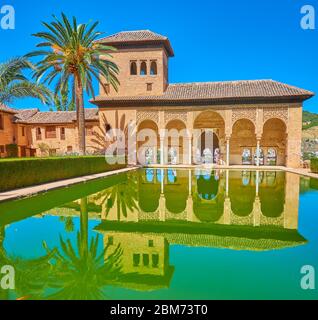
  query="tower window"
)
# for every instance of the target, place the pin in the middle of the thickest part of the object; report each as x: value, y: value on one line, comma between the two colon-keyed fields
x: 153, y: 68
x: 133, y: 68
x: 143, y: 68
x: 1, y: 122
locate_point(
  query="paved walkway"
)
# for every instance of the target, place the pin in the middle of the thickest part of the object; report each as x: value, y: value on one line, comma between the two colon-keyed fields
x: 30, y: 191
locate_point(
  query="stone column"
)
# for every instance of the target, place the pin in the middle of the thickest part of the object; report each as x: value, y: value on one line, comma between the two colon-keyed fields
x: 188, y: 158
x: 227, y: 151
x: 258, y: 151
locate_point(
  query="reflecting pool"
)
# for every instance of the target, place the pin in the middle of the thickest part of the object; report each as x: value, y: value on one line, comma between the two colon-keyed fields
x: 165, y: 234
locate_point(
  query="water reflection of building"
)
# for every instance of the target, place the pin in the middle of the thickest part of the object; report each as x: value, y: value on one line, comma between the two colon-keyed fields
x: 144, y: 260
x: 255, y: 198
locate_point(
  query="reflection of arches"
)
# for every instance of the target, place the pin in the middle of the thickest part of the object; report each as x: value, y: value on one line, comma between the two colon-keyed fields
x: 176, y: 192
x: 243, y: 137
x: 175, y: 128
x: 149, y: 191
x: 151, y: 140
x: 274, y: 137
x: 242, y: 193
x: 208, y: 203
x: 272, y: 194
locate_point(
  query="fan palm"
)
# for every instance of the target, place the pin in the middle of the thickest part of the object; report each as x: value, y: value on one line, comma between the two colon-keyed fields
x: 15, y: 85
x: 72, y: 58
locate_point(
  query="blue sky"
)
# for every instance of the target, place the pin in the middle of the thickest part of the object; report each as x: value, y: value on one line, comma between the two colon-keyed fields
x: 213, y: 40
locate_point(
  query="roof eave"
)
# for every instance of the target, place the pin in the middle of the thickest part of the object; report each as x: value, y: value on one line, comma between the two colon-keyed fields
x: 214, y: 101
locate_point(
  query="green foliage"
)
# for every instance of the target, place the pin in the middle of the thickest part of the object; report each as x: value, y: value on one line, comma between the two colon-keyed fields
x: 314, y: 183
x: 314, y: 165
x: 14, y: 85
x: 12, y: 150
x: 309, y: 120
x: 25, y: 172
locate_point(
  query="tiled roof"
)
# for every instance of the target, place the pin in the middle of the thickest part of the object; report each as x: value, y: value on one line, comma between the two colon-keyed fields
x: 220, y: 91
x: 138, y: 36
x: 61, y: 117
x: 7, y: 109
x: 24, y: 115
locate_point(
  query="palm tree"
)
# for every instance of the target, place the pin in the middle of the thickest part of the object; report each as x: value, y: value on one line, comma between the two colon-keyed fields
x: 82, y: 272
x: 125, y: 196
x: 15, y: 85
x: 72, y: 59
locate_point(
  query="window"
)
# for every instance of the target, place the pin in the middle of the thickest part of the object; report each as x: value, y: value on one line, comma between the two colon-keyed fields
x: 153, y: 68
x: 1, y: 122
x: 149, y: 86
x: 143, y: 68
x: 23, y: 131
x: 62, y: 133
x: 145, y: 260
x: 50, y: 132
x: 107, y: 88
x: 38, y: 134
x: 150, y: 243
x: 52, y: 152
x: 1, y: 149
x: 155, y: 260
x: 89, y: 130
x: 133, y: 68
x: 136, y: 259
x: 69, y: 149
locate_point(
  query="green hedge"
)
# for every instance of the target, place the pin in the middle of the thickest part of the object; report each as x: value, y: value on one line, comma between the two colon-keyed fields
x: 12, y: 150
x: 18, y: 173
x: 314, y: 165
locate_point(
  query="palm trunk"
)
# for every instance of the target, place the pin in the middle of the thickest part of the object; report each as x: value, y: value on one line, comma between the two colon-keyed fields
x: 80, y: 112
x: 84, y: 226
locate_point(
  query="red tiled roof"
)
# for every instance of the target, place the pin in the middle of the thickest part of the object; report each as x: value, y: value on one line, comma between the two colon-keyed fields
x: 219, y: 91
x: 24, y: 115
x: 7, y: 109
x: 135, y: 37
x: 61, y: 117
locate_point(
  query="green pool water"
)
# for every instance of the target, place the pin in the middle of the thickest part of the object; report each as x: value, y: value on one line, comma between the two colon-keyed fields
x: 165, y: 234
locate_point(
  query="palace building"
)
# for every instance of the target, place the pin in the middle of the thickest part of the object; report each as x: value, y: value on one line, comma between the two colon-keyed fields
x: 248, y: 122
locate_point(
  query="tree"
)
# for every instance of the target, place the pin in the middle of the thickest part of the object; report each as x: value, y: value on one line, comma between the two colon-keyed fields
x: 15, y: 85
x: 72, y: 59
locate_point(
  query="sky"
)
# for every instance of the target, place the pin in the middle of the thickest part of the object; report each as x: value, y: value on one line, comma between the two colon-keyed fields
x: 213, y: 40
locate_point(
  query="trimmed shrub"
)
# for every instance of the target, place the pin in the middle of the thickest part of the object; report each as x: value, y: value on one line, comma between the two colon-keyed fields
x: 12, y: 150
x: 314, y: 165
x: 18, y: 173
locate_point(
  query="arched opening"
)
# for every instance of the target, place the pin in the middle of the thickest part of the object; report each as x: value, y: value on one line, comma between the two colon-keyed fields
x: 153, y: 68
x: 260, y: 157
x: 143, y: 68
x: 274, y: 141
x: 209, y: 146
x: 242, y: 192
x: 147, y: 142
x: 243, y: 142
x: 175, y: 141
x: 133, y: 68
